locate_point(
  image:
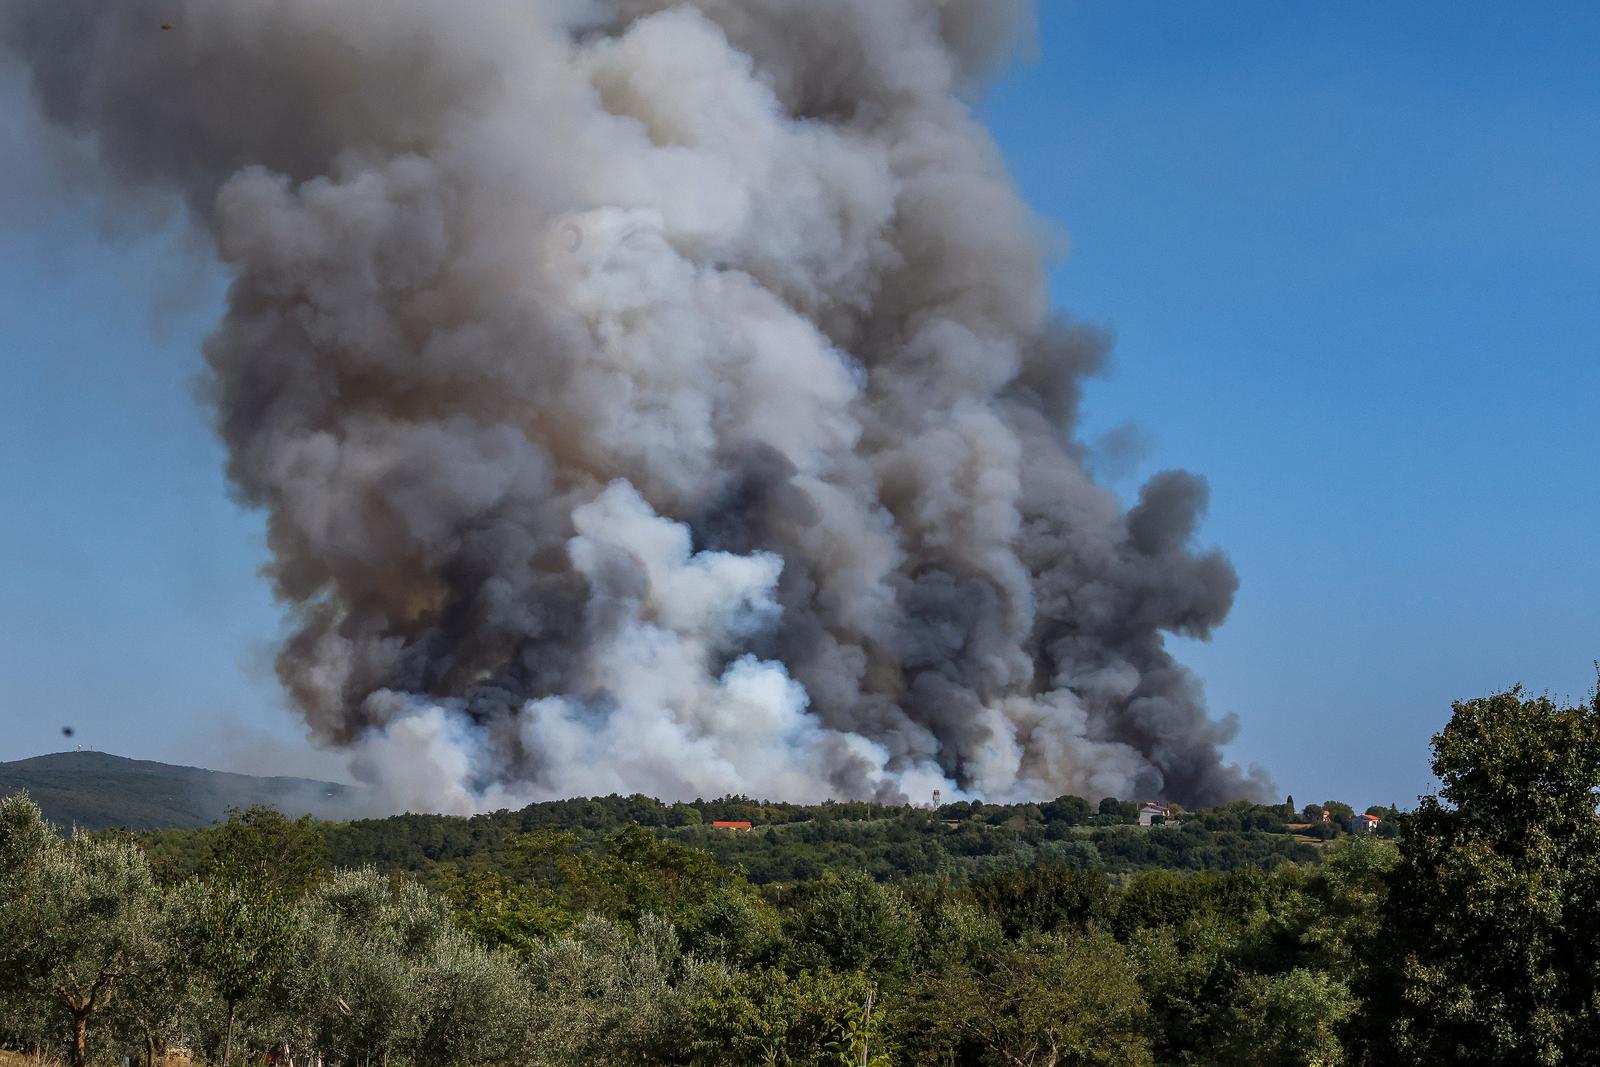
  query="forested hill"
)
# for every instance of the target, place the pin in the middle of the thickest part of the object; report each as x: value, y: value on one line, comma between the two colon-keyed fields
x: 790, y: 843
x: 786, y: 843
x: 96, y: 790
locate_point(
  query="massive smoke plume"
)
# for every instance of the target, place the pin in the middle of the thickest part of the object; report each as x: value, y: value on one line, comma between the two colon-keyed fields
x: 654, y: 395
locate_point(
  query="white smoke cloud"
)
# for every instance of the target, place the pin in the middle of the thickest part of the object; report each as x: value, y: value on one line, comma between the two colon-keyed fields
x: 658, y: 717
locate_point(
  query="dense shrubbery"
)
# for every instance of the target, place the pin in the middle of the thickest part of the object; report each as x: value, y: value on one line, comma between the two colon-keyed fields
x: 615, y: 931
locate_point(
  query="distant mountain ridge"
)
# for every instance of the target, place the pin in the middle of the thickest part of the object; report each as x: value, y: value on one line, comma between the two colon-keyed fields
x: 97, y: 791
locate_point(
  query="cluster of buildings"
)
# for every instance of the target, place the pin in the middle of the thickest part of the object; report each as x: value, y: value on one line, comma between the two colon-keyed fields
x: 1150, y: 812
x: 1154, y: 811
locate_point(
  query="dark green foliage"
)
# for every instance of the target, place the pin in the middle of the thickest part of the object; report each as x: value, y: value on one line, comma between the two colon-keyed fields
x: 541, y: 883
x: 851, y: 923
x: 1492, y: 917
x: 794, y: 843
x: 1293, y: 1018
x: 1045, y: 898
x: 1208, y: 944
x: 260, y: 847
x: 1066, y: 811
x: 242, y: 936
x: 1192, y: 846
x: 1339, y: 813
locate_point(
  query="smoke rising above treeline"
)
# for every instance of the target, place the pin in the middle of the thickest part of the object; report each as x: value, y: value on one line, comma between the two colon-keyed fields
x: 655, y: 396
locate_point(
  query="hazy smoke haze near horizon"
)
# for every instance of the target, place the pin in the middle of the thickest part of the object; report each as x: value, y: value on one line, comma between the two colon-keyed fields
x: 655, y: 397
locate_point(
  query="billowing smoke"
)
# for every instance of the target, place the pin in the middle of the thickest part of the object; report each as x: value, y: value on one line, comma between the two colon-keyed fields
x: 654, y: 395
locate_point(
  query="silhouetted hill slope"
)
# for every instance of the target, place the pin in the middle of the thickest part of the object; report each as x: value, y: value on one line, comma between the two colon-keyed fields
x: 95, y: 790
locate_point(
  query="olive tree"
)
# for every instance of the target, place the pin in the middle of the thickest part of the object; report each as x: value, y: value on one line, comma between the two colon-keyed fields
x: 383, y: 972
x: 609, y: 995
x: 476, y: 1004
x: 76, y: 920
x: 361, y: 985
x: 156, y: 999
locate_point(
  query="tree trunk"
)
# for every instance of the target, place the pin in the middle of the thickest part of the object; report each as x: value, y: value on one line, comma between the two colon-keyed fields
x: 79, y: 1056
x: 149, y: 1049
x: 227, y: 1037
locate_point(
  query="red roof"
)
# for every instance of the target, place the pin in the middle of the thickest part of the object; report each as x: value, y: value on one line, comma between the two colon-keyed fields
x: 731, y: 825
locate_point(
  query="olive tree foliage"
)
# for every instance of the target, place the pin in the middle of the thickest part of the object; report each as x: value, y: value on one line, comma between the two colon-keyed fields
x: 476, y: 1008
x: 258, y: 954
x: 1065, y: 999
x: 158, y: 1002
x: 608, y: 994
x: 24, y: 837
x: 1493, y: 917
x: 25, y: 1018
x: 76, y: 923
x: 358, y: 979
x: 382, y: 973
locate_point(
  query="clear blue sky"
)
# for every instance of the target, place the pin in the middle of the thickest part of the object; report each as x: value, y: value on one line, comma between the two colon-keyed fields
x: 1352, y: 256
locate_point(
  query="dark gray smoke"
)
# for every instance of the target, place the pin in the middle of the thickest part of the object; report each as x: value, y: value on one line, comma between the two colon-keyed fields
x: 655, y: 396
